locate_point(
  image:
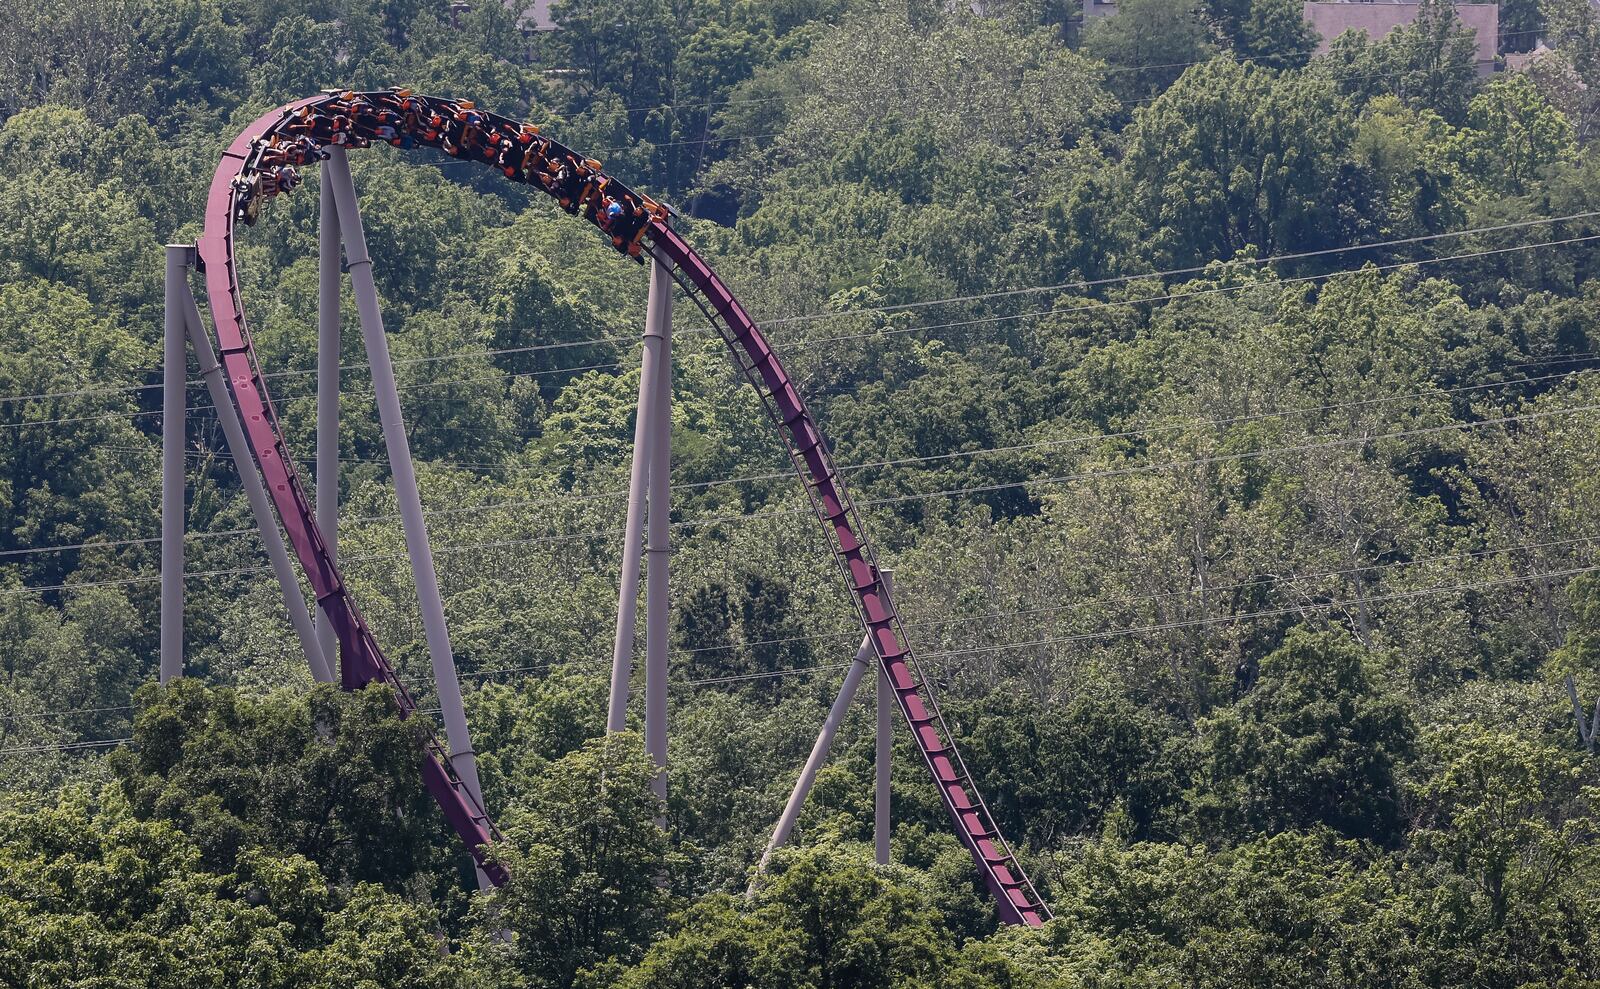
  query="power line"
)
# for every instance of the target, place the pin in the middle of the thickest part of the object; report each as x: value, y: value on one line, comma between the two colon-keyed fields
x: 640, y: 144
x: 739, y: 677
x: 1082, y: 475
x: 1235, y: 457
x: 1176, y: 426
x: 65, y: 747
x: 1278, y: 581
x: 499, y: 378
x: 811, y: 317
x: 43, y: 715
x: 1201, y: 269
x: 1120, y: 471
x: 957, y: 324
x: 1174, y: 296
x: 643, y: 145
x: 1271, y: 581
x: 1097, y: 306
x: 1281, y: 580
x: 898, y: 499
x: 1274, y: 613
x: 1050, y: 640
x: 1107, y: 68
x: 353, y: 366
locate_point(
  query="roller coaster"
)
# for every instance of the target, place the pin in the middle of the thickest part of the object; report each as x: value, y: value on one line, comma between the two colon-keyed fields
x: 264, y: 161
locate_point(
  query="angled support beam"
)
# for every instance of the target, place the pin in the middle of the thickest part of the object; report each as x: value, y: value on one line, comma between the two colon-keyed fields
x: 174, y: 376
x: 336, y: 172
x: 328, y: 285
x: 819, y: 750
x: 254, y: 491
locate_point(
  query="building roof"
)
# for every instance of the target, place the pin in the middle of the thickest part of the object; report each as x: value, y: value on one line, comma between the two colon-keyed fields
x: 535, y: 15
x: 1377, y: 19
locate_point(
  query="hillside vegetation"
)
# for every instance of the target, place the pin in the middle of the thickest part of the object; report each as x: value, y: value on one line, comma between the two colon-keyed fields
x: 1229, y: 415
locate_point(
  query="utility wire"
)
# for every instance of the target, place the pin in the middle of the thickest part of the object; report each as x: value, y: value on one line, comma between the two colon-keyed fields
x: 1277, y: 581
x: 1105, y: 69
x: 1274, y: 613
x: 65, y: 747
x: 640, y: 144
x: 1198, y: 269
x: 812, y: 317
x: 993, y: 320
x: 896, y: 499
x: 1282, y: 581
x: 1174, y: 426
x: 1050, y: 640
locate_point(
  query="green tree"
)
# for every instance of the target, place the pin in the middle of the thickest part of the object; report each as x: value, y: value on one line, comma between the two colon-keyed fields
x: 1276, y: 31
x: 1147, y: 44
x: 332, y: 776
x: 587, y: 860
x: 1510, y: 820
x: 1522, y: 25
x: 1569, y: 73
x: 1405, y: 156
x: 1512, y: 138
x: 300, y: 55
x: 824, y: 918
x: 85, y: 479
x: 195, y: 60
x: 1234, y: 156
x: 90, y: 894
x: 1056, y: 774
x: 627, y: 48
x: 1435, y: 60
x: 1314, y: 743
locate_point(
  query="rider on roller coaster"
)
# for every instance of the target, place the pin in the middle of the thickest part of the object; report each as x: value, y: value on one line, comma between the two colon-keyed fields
x: 457, y: 128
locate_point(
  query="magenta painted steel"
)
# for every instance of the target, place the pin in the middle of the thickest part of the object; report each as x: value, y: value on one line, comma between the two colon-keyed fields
x: 1014, y: 894
x: 363, y: 662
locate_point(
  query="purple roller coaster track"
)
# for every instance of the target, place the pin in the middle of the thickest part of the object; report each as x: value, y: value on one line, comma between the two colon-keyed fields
x: 261, y: 162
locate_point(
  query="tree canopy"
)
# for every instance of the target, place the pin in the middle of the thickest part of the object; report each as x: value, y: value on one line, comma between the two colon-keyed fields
x: 1226, y: 410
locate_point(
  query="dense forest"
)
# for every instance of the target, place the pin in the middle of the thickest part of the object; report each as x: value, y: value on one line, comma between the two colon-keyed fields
x: 1228, y: 413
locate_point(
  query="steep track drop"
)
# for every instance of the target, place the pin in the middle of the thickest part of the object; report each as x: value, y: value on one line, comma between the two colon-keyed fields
x: 250, y: 171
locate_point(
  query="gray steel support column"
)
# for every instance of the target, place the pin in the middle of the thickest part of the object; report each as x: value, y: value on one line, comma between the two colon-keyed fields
x: 328, y: 284
x: 658, y: 323
x: 336, y: 172
x: 865, y: 658
x: 644, y: 435
x: 1587, y: 727
x: 174, y: 375
x: 881, y: 827
x: 255, y: 492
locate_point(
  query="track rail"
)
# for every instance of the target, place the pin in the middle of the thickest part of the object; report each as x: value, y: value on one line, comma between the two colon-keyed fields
x: 252, y: 169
